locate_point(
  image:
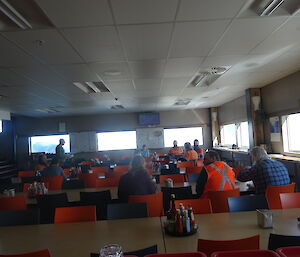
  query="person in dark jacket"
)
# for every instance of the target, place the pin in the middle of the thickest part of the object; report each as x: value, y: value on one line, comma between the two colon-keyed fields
x: 53, y: 170
x: 136, y: 181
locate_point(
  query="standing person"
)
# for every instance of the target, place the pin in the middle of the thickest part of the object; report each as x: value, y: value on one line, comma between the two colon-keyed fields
x: 145, y: 152
x: 175, y: 150
x: 53, y: 170
x: 215, y: 176
x: 264, y: 172
x: 136, y: 181
x: 189, y: 154
x: 198, y: 149
x: 60, y: 151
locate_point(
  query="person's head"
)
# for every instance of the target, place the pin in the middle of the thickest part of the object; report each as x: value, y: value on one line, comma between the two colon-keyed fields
x: 54, y: 162
x: 106, y: 157
x: 137, y: 165
x: 61, y: 141
x: 210, y: 157
x: 187, y: 146
x: 175, y: 143
x: 258, y: 154
x: 144, y: 147
x: 196, y: 142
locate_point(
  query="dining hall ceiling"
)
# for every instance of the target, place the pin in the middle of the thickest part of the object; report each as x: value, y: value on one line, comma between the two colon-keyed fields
x: 140, y: 55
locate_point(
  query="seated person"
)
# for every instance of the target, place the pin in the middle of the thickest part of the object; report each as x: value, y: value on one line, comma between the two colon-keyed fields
x: 215, y: 175
x: 145, y: 152
x: 189, y: 154
x: 175, y: 150
x: 42, y: 162
x: 136, y: 181
x: 265, y: 171
x: 53, y: 170
x: 198, y: 149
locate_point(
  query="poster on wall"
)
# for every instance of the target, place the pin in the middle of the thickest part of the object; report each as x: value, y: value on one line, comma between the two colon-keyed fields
x: 274, y: 129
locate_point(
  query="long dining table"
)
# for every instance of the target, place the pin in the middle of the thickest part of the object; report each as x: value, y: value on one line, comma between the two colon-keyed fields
x: 80, y: 239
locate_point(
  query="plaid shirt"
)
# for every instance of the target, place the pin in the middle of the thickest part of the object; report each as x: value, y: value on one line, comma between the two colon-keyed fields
x: 265, y: 173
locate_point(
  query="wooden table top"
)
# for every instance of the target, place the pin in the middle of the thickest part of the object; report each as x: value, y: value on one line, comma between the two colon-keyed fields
x: 80, y: 239
x: 226, y: 226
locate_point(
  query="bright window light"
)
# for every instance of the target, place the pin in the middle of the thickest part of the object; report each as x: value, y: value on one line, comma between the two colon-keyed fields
x: 116, y: 140
x: 1, y: 129
x: 291, y: 135
x: 48, y: 144
x: 243, y: 135
x: 183, y: 135
x: 228, y: 134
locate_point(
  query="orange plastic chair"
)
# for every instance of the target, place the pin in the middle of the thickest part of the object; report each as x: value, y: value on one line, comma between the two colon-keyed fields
x: 90, y: 179
x: 13, y: 203
x: 200, y: 206
x: 99, y: 170
x: 246, y: 253
x: 26, y: 186
x: 154, y: 203
x: 106, y: 182
x: 29, y: 173
x: 219, y: 201
x: 273, y: 194
x: 178, y: 178
x: 210, y: 246
x: 39, y: 167
x: 189, y: 254
x: 291, y: 251
x: 75, y: 214
x: 290, y: 200
x: 161, y: 154
x: 41, y: 253
x: 55, y: 183
x: 85, y: 163
x: 122, y: 168
x: 193, y: 169
x: 185, y: 164
x: 67, y: 172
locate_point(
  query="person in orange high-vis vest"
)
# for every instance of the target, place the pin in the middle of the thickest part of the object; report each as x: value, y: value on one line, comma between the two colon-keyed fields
x: 215, y: 176
x: 198, y: 149
x: 175, y: 150
x: 189, y: 154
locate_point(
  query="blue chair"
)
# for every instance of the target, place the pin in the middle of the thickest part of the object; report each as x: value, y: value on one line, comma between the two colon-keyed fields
x: 247, y: 203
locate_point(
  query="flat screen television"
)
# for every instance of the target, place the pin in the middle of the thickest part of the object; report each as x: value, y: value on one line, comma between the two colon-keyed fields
x: 149, y: 118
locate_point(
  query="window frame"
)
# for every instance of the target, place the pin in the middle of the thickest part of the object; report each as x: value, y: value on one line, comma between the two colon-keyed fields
x: 238, y: 135
x: 1, y: 126
x: 285, y: 135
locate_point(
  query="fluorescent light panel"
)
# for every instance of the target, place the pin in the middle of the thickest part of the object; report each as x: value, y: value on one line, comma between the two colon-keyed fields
x: 271, y: 7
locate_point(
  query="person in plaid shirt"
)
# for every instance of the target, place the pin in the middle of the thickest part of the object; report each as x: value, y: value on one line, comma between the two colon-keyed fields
x: 265, y: 171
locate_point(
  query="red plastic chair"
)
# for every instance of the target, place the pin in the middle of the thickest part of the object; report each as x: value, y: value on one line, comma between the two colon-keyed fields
x: 178, y: 178
x: 29, y: 173
x: 246, y: 253
x: 106, y: 182
x: 185, y: 164
x: 200, y: 206
x: 193, y: 169
x: 67, y: 172
x: 121, y: 169
x: 210, y: 246
x: 41, y: 253
x: 13, y: 203
x: 273, y: 194
x: 154, y: 203
x: 292, y: 251
x: 89, y: 179
x: 26, y: 186
x: 100, y: 170
x: 189, y: 254
x: 75, y: 214
x: 55, y: 183
x: 290, y: 200
x: 219, y: 201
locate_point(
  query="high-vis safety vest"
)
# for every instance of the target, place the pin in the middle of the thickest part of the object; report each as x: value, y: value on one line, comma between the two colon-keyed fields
x: 220, y: 177
x: 175, y: 151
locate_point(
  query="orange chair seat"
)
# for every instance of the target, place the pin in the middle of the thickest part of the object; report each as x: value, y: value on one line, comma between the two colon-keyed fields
x: 75, y: 214
x: 200, y: 206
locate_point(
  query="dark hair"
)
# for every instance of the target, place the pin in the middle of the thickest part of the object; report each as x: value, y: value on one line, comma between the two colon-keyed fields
x: 214, y: 155
x: 54, y: 161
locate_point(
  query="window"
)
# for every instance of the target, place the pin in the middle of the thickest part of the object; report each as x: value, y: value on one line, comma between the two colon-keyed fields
x: 290, y: 132
x: 235, y: 133
x: 1, y: 129
x: 116, y: 140
x: 48, y: 144
x: 183, y: 135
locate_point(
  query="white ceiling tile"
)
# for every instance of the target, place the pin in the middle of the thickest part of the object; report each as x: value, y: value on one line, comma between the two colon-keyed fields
x: 112, y: 71
x: 245, y: 34
x: 144, y: 11
x: 70, y: 13
x: 171, y: 84
x: 147, y: 69
x: 146, y: 41
x: 179, y: 67
x: 194, y: 39
x: 121, y: 87
x: 209, y: 9
x: 147, y: 84
x: 225, y: 60
x: 54, y: 49
x: 96, y: 43
x: 8, y: 77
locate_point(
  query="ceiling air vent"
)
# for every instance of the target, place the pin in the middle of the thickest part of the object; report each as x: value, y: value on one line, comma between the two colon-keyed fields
x: 117, y: 107
x: 184, y: 101
x: 92, y: 87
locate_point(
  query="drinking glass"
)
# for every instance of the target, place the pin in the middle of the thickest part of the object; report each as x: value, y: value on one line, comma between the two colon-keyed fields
x: 112, y: 250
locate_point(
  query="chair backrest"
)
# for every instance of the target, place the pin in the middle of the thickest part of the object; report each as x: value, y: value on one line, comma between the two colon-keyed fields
x: 23, y: 217
x: 273, y: 194
x: 200, y: 206
x: 139, y: 253
x: 290, y: 200
x: 29, y: 173
x: 90, y: 179
x: 193, y: 169
x: 13, y: 203
x: 185, y: 164
x: 210, y: 246
x: 292, y: 251
x: 121, y: 169
x: 75, y: 214
x: 193, y: 177
x: 181, y: 193
x: 41, y: 253
x: 247, y: 203
x: 177, y: 178
x: 100, y: 170
x: 246, y: 253
x: 279, y: 241
x: 154, y: 203
x: 55, y: 182
x: 107, y: 182
x: 189, y: 254
x: 126, y: 211
x: 219, y: 201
